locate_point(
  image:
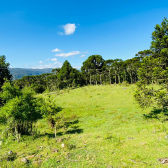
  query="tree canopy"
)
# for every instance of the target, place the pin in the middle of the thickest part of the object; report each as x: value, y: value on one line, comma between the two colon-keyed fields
x: 4, y: 70
x: 153, y: 69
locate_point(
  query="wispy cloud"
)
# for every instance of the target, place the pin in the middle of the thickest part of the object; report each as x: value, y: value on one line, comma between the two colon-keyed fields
x: 72, y: 53
x: 82, y: 56
x: 40, y: 62
x: 60, y: 33
x: 56, y: 50
x: 54, y: 59
x: 58, y: 63
x: 68, y: 29
x: 54, y: 65
x: 77, y: 67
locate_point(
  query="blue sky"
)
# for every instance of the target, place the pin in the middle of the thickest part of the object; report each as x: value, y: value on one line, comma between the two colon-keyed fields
x: 43, y: 34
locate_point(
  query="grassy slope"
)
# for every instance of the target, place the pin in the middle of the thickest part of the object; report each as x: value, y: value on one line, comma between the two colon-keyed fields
x: 111, y: 132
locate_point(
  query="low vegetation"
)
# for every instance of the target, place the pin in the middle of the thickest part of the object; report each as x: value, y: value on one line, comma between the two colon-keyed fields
x: 98, y: 129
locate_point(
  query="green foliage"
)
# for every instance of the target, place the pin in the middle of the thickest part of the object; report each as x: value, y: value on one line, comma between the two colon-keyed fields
x: 49, y: 108
x: 65, y: 71
x: 159, y: 37
x: 38, y: 88
x: 21, y: 108
x: 159, y: 44
x: 154, y: 70
x: 49, y: 111
x: 4, y: 71
x: 68, y: 76
x: 92, y: 67
x: 144, y: 96
x: 125, y: 83
x: 9, y: 91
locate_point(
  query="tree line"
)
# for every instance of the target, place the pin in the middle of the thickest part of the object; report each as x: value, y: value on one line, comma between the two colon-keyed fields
x: 147, y: 67
x: 95, y: 70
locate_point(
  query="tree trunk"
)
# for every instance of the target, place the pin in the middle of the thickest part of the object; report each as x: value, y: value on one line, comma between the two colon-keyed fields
x: 17, y: 134
x: 125, y: 75
x: 131, y: 78
x: 100, y: 79
x: 55, y: 131
x: 109, y: 77
x: 115, y: 78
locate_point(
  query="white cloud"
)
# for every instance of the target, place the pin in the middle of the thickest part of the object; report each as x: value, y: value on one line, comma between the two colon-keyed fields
x: 54, y: 65
x: 68, y: 29
x: 48, y: 59
x: 72, y: 53
x: 56, y: 50
x: 82, y: 56
x: 40, y: 62
x: 54, y: 59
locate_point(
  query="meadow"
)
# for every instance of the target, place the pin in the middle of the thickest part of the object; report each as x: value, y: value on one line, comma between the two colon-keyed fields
x: 107, y: 128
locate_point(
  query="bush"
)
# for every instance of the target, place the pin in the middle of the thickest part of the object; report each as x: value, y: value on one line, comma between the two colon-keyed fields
x: 49, y: 110
x: 38, y: 88
x: 125, y: 83
x: 21, y: 108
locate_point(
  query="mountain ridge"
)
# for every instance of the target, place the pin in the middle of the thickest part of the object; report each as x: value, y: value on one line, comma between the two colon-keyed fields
x: 18, y: 73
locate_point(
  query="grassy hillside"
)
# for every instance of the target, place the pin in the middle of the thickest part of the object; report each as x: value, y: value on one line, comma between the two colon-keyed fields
x: 108, y: 130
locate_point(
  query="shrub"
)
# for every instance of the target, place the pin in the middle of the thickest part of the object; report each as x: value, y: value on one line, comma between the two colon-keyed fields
x: 21, y: 108
x: 49, y: 110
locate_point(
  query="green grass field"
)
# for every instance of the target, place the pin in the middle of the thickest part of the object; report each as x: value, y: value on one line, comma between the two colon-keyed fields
x: 109, y: 130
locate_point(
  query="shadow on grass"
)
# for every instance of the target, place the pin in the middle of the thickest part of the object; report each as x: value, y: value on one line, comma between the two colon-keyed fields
x: 58, y: 109
x: 74, y: 130
x: 49, y: 135
x: 69, y: 123
x: 69, y: 129
x: 157, y: 114
x: 59, y: 133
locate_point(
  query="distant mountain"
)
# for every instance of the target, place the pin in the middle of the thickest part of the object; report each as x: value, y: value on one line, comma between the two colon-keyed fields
x: 18, y: 73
